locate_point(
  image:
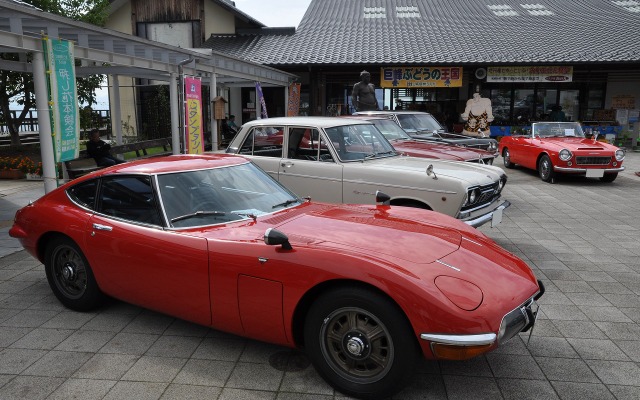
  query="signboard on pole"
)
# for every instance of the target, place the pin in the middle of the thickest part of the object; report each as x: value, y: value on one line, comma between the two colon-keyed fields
x: 194, y: 138
x: 63, y: 98
x: 293, y: 108
x: 263, y: 105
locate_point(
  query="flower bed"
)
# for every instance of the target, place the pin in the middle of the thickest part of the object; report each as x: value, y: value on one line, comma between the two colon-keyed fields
x: 17, y: 167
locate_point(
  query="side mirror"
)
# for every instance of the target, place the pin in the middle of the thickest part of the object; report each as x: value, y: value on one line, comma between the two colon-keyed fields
x: 274, y: 237
x: 431, y: 173
x: 383, y: 198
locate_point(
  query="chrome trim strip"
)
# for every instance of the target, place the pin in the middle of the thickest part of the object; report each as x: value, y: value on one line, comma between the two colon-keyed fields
x: 566, y: 169
x: 460, y: 340
x: 447, y: 265
x: 483, y: 219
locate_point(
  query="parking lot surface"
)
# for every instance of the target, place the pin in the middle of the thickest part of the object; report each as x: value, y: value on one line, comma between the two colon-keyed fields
x: 580, y: 236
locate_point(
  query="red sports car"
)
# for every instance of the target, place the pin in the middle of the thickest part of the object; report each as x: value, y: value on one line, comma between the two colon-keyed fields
x: 213, y: 239
x: 561, y: 147
x: 402, y: 142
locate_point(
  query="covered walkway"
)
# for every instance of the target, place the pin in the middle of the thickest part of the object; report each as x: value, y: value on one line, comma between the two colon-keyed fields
x: 108, y: 52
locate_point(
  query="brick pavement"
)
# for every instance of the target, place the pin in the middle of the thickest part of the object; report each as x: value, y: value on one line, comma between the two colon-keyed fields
x: 582, y: 238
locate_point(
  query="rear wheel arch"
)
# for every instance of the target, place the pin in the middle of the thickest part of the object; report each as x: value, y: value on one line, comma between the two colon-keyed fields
x: 44, y: 241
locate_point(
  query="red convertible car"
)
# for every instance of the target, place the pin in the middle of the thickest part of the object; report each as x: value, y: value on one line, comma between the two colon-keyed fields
x: 561, y: 148
x: 215, y: 240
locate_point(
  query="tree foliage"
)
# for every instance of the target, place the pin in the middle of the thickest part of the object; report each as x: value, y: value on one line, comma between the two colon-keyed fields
x: 17, y: 87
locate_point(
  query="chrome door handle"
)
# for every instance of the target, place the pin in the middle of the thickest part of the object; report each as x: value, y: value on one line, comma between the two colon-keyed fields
x: 101, y: 227
x: 287, y: 164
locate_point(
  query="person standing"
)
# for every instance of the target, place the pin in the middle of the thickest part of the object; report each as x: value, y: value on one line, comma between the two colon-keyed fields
x: 363, y: 96
x: 100, y: 150
x: 557, y: 114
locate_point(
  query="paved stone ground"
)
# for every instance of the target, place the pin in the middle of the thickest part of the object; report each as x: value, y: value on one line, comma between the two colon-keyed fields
x: 581, y: 237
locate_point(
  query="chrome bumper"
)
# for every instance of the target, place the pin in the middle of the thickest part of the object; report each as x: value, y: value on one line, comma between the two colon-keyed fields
x: 483, y: 219
x: 584, y: 170
x: 520, y: 319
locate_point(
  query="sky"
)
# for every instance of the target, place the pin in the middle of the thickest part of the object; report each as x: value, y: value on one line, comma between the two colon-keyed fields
x: 274, y: 13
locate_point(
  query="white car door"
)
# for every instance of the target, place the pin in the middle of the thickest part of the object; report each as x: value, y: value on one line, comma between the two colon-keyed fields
x: 309, y: 167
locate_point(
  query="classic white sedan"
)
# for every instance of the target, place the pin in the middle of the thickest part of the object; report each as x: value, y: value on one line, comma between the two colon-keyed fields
x: 343, y: 160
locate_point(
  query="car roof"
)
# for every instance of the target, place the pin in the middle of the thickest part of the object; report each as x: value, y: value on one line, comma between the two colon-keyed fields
x: 321, y: 122
x: 387, y: 112
x: 176, y: 163
x: 368, y: 117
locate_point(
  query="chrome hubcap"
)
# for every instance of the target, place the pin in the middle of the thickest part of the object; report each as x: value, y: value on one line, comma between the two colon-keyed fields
x: 355, y: 344
x: 69, y: 272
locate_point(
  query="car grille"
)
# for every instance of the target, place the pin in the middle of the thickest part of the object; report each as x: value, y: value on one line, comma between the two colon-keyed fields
x: 488, y: 193
x: 593, y: 160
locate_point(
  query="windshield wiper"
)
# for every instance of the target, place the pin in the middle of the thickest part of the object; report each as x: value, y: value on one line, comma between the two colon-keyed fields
x: 199, y: 214
x: 286, y: 203
x: 246, y: 214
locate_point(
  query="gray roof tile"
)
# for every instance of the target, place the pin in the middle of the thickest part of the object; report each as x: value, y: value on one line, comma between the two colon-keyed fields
x: 449, y: 31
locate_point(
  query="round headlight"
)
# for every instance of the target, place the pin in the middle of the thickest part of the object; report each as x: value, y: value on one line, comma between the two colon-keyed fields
x: 472, y: 196
x: 493, y: 146
x: 565, y: 155
x: 619, y: 154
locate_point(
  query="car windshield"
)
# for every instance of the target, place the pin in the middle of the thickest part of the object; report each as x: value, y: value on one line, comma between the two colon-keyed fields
x: 359, y: 142
x: 221, y: 195
x: 423, y: 123
x: 390, y: 129
x: 557, y: 129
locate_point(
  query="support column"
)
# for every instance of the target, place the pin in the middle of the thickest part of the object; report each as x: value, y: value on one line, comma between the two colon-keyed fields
x: 49, y: 173
x: 213, y: 92
x: 175, y: 123
x: 116, y: 114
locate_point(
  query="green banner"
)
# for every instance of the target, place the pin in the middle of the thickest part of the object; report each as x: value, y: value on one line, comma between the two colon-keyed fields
x: 63, y: 98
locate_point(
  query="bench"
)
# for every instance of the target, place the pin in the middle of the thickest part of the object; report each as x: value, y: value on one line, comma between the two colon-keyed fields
x: 85, y: 164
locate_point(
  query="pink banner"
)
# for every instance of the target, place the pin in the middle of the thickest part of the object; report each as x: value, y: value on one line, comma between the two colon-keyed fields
x: 194, y: 140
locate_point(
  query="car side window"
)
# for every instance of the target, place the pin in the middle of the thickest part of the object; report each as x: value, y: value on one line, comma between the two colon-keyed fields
x: 84, y: 193
x: 129, y: 197
x: 265, y: 141
x: 307, y: 144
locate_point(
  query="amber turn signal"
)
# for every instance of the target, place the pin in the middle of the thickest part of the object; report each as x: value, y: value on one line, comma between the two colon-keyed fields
x: 451, y: 352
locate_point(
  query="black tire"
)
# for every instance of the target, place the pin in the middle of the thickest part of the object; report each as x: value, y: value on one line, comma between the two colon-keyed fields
x: 70, y: 276
x: 545, y: 169
x: 360, y: 342
x: 506, y: 158
x: 609, y: 177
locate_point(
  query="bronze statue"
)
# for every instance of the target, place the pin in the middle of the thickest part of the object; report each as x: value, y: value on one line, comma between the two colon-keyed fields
x: 363, y: 96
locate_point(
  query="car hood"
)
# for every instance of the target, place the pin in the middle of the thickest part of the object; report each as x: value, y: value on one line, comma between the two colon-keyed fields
x: 418, y: 148
x: 375, y: 232
x: 416, y: 242
x: 471, y: 173
x: 578, y: 144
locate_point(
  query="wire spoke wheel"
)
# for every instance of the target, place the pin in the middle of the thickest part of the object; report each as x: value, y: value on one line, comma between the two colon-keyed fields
x: 545, y: 168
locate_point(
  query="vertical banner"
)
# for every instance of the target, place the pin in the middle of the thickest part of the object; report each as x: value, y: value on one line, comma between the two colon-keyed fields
x: 193, y: 116
x: 263, y: 105
x: 293, y: 108
x: 63, y: 97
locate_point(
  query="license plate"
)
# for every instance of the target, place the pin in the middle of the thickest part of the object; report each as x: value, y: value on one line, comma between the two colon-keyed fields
x: 497, y: 217
x: 595, y: 173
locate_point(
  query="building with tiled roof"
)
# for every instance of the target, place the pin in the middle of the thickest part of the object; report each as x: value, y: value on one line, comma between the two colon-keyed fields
x: 590, y: 51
